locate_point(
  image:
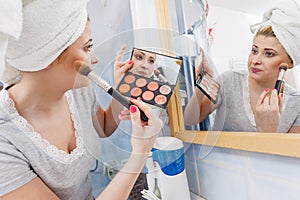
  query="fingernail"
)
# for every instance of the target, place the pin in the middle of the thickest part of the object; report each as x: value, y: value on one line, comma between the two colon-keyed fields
x: 139, y: 98
x: 273, y: 89
x: 132, y: 109
x: 281, y: 95
x: 267, y: 90
x: 130, y: 62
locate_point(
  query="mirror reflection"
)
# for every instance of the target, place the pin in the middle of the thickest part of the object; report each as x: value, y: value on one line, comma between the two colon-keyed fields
x: 152, y: 77
x: 155, y: 65
x: 248, y: 100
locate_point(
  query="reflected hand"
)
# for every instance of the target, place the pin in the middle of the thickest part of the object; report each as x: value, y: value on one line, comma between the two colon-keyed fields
x: 144, y: 134
x: 204, y: 65
x: 124, y: 115
x: 268, y: 111
x: 120, y: 68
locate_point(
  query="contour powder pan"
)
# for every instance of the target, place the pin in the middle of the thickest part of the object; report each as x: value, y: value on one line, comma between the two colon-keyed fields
x: 149, y: 90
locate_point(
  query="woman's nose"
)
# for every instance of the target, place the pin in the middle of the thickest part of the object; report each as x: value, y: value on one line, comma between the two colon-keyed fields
x: 256, y: 59
x: 94, y: 58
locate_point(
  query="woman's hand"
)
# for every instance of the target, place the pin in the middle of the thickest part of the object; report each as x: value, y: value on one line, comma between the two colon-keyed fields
x: 268, y: 111
x: 203, y: 65
x: 120, y: 68
x: 143, y: 133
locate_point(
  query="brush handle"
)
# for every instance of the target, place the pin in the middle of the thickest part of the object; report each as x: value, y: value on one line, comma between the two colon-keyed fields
x: 125, y: 102
x: 278, y: 86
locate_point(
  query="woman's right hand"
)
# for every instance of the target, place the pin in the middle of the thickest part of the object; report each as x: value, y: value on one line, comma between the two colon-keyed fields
x: 144, y: 134
x: 268, y: 111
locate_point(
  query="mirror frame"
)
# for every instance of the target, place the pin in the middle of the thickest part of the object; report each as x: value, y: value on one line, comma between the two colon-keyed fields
x: 270, y: 143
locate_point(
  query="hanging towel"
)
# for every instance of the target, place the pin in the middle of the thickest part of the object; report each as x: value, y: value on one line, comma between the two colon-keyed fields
x: 49, y: 27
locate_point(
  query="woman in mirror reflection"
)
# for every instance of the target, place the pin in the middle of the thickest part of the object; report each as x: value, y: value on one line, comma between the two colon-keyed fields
x: 50, y: 119
x: 143, y: 63
x: 247, y: 100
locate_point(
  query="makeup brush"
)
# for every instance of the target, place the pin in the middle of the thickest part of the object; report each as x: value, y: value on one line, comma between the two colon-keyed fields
x: 283, y: 67
x: 85, y: 70
x: 160, y: 76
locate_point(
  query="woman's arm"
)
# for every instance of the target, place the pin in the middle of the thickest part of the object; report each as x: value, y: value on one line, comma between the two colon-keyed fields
x: 108, y: 119
x: 33, y: 190
x: 143, y: 137
x: 294, y: 129
x: 198, y: 108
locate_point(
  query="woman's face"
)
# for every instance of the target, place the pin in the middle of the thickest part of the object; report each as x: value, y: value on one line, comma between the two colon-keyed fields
x: 265, y: 58
x: 143, y: 63
x: 80, y: 50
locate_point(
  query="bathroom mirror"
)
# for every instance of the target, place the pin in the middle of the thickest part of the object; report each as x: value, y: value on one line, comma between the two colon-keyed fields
x: 196, y: 28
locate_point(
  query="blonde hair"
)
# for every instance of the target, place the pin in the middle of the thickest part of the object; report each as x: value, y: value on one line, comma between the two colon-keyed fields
x: 267, y: 31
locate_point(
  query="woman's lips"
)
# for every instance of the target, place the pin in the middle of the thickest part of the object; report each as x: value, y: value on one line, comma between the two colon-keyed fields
x: 142, y: 73
x: 255, y: 70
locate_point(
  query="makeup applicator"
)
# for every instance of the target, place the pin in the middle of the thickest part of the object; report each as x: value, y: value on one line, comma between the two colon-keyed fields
x: 85, y: 70
x: 160, y: 76
x: 283, y: 67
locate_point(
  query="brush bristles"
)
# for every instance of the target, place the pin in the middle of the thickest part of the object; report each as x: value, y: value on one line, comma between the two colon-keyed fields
x: 82, y: 68
x: 284, y: 67
x: 156, y: 72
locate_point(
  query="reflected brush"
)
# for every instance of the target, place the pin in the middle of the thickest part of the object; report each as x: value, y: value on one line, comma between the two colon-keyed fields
x: 85, y: 70
x: 160, y: 76
x: 282, y: 69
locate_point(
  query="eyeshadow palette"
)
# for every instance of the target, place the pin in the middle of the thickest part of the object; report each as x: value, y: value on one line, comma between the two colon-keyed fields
x: 207, y: 85
x: 149, y: 90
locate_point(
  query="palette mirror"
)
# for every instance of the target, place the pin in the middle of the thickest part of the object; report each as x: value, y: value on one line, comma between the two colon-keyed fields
x: 152, y: 77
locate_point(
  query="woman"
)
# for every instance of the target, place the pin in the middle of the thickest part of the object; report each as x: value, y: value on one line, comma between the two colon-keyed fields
x: 51, y: 121
x: 143, y: 63
x: 247, y: 100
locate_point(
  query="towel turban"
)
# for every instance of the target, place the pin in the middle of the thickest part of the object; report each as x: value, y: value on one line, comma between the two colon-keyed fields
x: 284, y: 17
x: 49, y: 27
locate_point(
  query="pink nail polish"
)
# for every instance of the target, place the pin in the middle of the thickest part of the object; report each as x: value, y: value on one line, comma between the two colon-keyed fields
x: 132, y: 109
x: 130, y: 62
x: 267, y: 90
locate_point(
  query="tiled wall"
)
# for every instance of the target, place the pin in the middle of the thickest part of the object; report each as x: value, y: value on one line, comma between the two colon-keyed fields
x: 231, y: 174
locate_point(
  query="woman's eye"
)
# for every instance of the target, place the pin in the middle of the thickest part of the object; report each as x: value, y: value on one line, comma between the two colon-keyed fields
x: 138, y: 57
x: 151, y: 61
x: 269, y: 54
x: 254, y: 51
x: 89, y: 47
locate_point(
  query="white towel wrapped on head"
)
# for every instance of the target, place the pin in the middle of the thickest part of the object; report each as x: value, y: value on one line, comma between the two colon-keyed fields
x: 11, y: 18
x: 284, y: 17
x: 49, y: 27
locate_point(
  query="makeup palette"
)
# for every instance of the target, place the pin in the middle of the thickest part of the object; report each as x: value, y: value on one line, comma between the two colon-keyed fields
x: 207, y: 85
x: 149, y: 90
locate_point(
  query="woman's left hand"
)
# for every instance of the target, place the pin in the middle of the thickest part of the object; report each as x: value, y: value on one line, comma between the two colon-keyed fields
x: 120, y: 68
x: 268, y: 111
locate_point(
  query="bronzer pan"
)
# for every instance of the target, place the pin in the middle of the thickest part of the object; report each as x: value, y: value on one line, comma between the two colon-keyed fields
x: 149, y: 90
x: 147, y: 80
